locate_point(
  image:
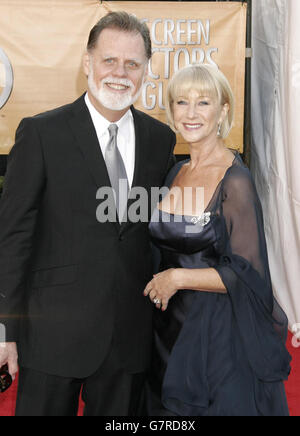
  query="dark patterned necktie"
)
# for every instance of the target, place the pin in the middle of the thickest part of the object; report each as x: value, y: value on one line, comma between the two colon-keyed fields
x: 117, y: 172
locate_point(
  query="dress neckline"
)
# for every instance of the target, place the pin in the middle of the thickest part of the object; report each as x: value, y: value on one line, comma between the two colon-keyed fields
x: 206, y: 210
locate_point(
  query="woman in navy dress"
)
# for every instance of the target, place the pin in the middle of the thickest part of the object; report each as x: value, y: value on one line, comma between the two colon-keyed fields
x: 219, y: 333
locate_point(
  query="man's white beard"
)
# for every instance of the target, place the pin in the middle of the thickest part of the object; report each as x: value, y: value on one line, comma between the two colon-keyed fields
x: 109, y: 99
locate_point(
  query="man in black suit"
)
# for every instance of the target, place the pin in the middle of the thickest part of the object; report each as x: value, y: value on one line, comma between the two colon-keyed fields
x: 71, y: 284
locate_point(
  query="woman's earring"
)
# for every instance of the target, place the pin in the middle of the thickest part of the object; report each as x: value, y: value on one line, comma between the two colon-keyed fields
x: 219, y: 129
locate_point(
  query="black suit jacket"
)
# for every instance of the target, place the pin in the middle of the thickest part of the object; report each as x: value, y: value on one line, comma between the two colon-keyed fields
x: 70, y: 285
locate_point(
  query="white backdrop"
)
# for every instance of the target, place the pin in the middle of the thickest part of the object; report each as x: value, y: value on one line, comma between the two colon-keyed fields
x: 276, y: 141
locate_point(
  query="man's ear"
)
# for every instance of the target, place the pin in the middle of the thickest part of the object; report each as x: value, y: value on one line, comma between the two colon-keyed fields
x: 86, y: 63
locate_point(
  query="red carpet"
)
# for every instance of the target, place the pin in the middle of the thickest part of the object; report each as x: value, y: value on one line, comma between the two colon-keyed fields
x: 7, y: 400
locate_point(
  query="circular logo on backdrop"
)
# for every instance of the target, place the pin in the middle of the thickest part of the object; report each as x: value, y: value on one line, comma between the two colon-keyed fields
x: 6, y: 78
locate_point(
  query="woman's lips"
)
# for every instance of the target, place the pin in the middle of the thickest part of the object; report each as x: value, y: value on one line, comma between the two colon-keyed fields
x: 190, y: 127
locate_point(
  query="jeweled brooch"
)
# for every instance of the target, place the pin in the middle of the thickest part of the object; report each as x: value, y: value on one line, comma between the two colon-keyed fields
x: 203, y: 220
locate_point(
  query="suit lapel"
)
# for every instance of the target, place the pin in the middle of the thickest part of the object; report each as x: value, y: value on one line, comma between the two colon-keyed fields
x: 141, y: 147
x: 85, y: 134
x: 84, y: 131
x: 86, y: 139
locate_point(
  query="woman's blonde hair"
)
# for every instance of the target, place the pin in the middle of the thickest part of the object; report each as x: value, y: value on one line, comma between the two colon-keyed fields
x: 209, y: 82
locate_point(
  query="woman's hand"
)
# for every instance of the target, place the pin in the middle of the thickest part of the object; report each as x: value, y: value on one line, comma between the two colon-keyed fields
x: 162, y: 288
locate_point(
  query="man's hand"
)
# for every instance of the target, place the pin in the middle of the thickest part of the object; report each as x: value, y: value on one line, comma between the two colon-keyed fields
x: 9, y: 356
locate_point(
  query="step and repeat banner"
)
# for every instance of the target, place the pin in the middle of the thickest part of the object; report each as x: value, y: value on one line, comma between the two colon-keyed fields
x: 42, y: 44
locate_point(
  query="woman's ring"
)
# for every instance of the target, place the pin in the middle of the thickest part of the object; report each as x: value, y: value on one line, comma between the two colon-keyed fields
x: 156, y: 301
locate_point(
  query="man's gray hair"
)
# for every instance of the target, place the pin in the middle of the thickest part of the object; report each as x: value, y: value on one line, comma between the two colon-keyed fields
x: 123, y: 21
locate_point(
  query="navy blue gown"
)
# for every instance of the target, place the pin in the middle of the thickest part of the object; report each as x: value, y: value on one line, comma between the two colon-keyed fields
x: 219, y: 354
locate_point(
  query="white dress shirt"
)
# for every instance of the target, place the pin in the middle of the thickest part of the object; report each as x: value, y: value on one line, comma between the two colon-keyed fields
x: 125, y: 139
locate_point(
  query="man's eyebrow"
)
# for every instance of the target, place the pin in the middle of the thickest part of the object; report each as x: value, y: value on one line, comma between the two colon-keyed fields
x: 138, y: 61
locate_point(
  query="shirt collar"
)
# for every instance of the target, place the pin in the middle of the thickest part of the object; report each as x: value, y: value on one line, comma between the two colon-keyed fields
x: 101, y: 122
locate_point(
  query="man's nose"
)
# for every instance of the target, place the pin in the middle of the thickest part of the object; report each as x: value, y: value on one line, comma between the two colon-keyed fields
x: 120, y: 70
